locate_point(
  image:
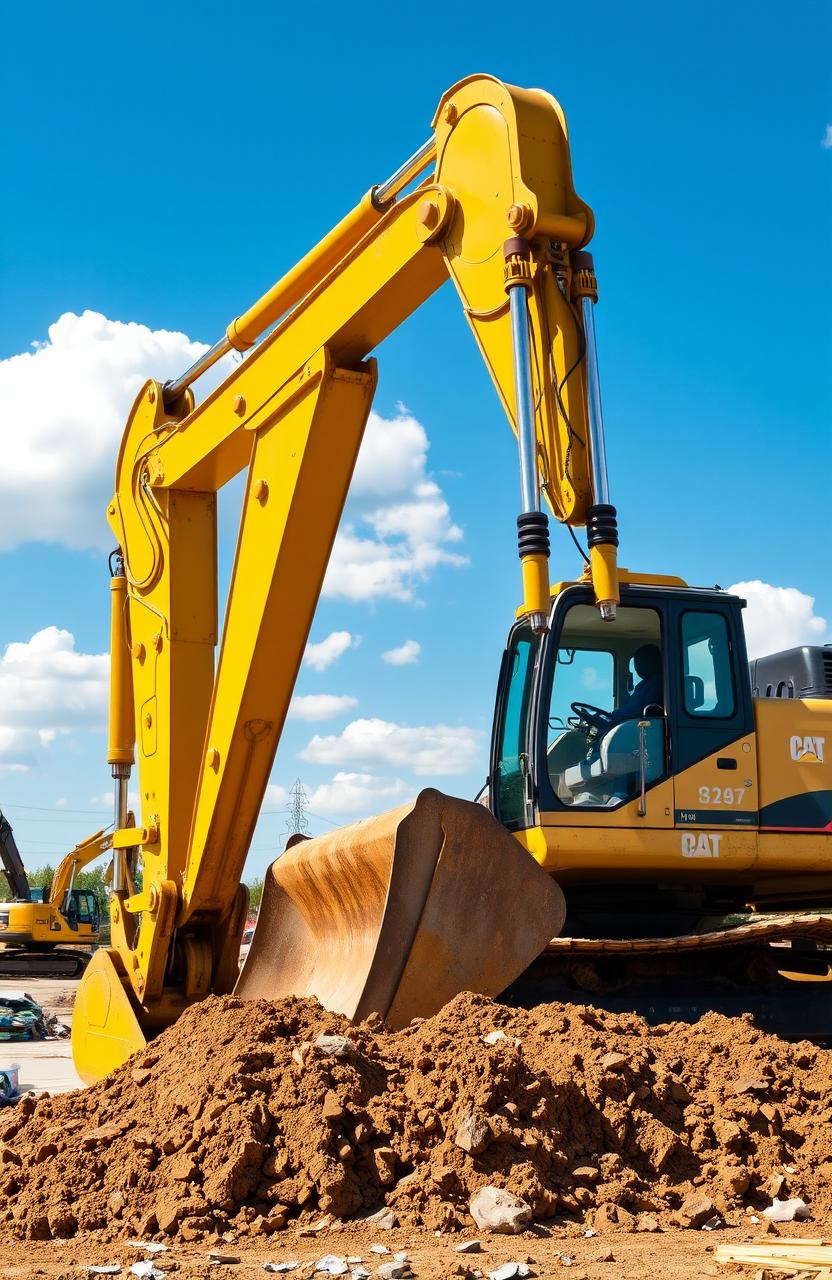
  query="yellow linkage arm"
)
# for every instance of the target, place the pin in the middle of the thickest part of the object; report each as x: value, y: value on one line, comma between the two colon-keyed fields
x: 501, y: 217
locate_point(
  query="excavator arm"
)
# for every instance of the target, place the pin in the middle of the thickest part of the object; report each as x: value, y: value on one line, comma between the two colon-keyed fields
x: 499, y: 215
x: 12, y: 863
x: 63, y: 881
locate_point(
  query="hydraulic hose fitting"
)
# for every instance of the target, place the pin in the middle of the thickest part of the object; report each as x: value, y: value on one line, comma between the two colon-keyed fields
x: 518, y: 263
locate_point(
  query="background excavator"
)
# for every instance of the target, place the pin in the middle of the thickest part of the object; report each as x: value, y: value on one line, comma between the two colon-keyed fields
x: 35, y: 922
x: 667, y: 844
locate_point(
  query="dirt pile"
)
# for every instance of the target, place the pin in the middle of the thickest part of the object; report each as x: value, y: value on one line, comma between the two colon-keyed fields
x: 242, y: 1116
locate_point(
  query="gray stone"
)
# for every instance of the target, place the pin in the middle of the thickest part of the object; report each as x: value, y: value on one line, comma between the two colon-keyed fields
x: 473, y: 1133
x: 334, y: 1046
x: 494, y: 1209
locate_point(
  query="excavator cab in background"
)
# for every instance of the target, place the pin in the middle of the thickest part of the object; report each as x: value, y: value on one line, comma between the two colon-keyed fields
x: 35, y: 922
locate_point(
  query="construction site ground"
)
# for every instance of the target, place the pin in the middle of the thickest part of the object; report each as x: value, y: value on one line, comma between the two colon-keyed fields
x: 674, y: 1255
x: 248, y: 1129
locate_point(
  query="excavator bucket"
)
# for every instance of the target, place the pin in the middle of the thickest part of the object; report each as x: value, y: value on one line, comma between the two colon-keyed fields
x: 397, y: 914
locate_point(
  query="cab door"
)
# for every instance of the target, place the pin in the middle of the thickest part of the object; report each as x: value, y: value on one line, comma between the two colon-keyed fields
x: 714, y: 755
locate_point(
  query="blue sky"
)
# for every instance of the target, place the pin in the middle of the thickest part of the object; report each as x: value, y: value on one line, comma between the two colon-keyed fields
x: 165, y: 165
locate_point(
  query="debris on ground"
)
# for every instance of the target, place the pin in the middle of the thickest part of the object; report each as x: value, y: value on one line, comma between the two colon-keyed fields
x: 295, y: 1117
x: 22, y: 1018
x: 795, y: 1210
x: 803, y: 1257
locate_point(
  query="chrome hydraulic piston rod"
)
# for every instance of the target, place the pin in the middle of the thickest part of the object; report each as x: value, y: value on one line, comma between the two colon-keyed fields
x: 532, y: 523
x: 602, y: 522
x: 306, y: 274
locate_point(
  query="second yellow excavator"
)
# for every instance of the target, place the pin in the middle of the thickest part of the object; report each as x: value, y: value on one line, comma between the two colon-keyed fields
x: 652, y: 844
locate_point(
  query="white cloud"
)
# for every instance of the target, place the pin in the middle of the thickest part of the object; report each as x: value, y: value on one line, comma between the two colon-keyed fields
x: 47, y: 688
x: 63, y: 407
x: 276, y: 797
x: 826, y: 140
x: 778, y: 617
x: 320, y: 706
x: 358, y: 794
x: 322, y: 655
x: 423, y: 749
x: 397, y: 524
x: 404, y: 656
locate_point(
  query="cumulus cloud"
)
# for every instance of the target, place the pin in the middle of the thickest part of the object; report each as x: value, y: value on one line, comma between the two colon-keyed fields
x: 778, y: 617
x: 320, y: 706
x: 322, y: 655
x: 397, y: 525
x: 63, y: 406
x: 404, y: 656
x: 48, y: 688
x: 358, y: 794
x: 423, y: 749
x: 826, y: 140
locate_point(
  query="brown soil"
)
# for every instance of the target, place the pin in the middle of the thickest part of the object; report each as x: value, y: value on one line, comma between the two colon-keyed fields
x: 234, y: 1121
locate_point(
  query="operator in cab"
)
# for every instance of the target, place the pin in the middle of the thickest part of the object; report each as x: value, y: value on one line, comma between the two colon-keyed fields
x: 649, y: 692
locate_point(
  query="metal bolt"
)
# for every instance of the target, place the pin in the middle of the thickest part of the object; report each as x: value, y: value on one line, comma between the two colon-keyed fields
x: 111, y: 510
x: 153, y: 898
x: 137, y: 651
x: 157, y: 642
x: 429, y: 214
x: 240, y: 405
x: 451, y: 114
x: 148, y: 721
x: 260, y: 491
x: 518, y: 216
x: 212, y: 758
x: 151, y: 394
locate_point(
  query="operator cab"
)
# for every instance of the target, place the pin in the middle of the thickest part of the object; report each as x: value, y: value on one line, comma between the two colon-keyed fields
x: 81, y: 908
x: 607, y: 695
x: 587, y: 714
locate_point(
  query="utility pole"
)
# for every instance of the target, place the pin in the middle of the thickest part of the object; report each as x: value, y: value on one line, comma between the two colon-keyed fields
x: 296, y: 823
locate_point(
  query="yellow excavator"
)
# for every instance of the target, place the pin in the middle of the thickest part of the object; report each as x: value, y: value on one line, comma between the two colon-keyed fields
x: 35, y: 923
x: 658, y: 839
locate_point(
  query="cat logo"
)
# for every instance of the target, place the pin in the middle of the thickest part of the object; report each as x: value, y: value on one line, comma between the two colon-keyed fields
x: 700, y: 844
x: 806, y: 750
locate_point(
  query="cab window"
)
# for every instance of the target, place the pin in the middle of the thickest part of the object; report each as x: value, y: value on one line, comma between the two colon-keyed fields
x: 606, y: 712
x: 509, y: 780
x: 707, y: 667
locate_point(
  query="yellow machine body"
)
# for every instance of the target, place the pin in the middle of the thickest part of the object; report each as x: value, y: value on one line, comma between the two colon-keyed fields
x: 498, y: 215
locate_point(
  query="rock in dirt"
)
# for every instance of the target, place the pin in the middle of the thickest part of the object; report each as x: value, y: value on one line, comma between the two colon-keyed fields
x: 695, y: 1210
x: 795, y: 1210
x: 495, y: 1209
x: 473, y: 1133
x: 334, y: 1046
x: 385, y: 1219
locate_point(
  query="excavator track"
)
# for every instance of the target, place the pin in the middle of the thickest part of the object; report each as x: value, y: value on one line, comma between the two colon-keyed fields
x: 778, y: 968
x: 15, y: 962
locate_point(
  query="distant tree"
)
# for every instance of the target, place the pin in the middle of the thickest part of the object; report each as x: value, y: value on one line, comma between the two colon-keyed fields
x: 255, y: 894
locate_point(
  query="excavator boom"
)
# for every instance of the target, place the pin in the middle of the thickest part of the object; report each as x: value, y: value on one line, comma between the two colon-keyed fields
x: 495, y: 211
